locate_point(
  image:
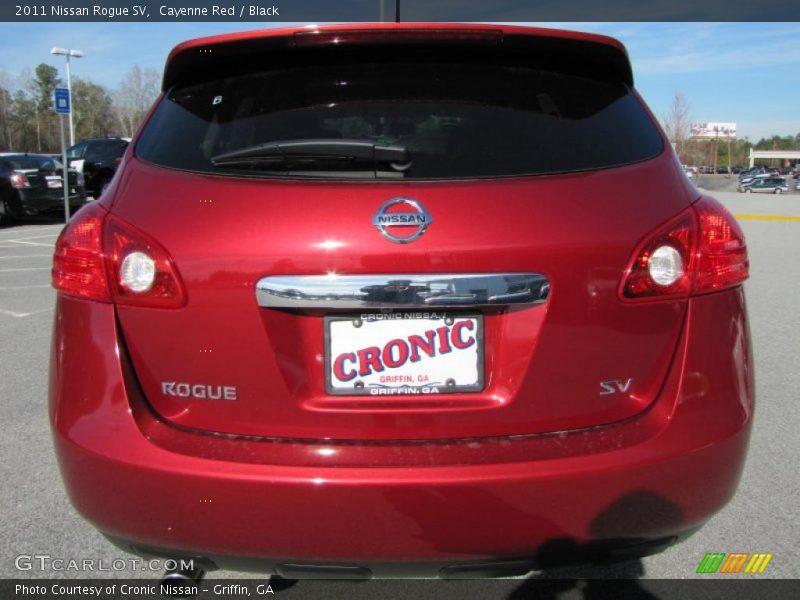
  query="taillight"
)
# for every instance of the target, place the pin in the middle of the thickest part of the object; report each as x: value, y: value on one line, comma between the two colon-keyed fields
x: 676, y: 238
x: 702, y: 250
x: 100, y: 257
x: 78, y: 267
x: 18, y: 181
x: 143, y: 271
x: 722, y: 260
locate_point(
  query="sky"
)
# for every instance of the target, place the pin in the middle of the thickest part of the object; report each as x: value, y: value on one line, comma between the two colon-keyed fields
x: 741, y: 72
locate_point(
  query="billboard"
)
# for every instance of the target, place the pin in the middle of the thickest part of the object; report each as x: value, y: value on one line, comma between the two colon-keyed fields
x: 713, y: 130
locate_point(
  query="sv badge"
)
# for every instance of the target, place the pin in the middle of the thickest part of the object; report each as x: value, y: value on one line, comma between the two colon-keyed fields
x: 615, y: 386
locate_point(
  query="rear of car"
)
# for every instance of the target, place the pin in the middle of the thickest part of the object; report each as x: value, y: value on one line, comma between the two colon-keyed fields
x: 372, y: 300
x: 32, y: 185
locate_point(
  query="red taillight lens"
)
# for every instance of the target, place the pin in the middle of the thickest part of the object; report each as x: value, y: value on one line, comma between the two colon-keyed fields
x: 722, y: 258
x: 18, y: 181
x: 90, y: 255
x: 78, y: 267
x: 702, y: 250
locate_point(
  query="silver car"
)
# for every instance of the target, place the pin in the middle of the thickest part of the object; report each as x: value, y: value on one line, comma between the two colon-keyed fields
x: 767, y: 185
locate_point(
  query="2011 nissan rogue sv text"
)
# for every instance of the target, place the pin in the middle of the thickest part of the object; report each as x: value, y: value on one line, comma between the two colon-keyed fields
x: 417, y: 299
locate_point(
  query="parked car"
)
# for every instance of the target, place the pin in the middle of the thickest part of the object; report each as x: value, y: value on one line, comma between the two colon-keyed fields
x: 723, y: 170
x: 752, y: 172
x: 765, y: 185
x: 98, y: 160
x: 32, y: 185
x: 361, y: 308
x: 751, y: 178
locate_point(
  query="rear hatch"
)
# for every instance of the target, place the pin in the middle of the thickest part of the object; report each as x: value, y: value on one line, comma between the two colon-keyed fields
x: 537, y: 170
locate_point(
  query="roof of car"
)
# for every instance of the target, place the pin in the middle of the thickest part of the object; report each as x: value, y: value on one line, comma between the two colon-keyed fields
x: 102, y: 139
x: 34, y: 154
x: 204, y: 54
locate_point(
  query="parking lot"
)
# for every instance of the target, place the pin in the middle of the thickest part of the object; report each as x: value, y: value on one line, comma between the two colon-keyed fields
x: 38, y: 518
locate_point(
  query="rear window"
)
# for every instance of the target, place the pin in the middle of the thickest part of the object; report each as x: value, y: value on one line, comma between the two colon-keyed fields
x: 453, y: 121
x: 105, y: 149
x: 23, y: 162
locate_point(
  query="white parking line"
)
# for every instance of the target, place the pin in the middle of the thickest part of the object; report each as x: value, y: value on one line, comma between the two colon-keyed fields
x: 16, y: 234
x: 31, y: 237
x: 27, y: 256
x: 25, y: 269
x: 23, y: 287
x: 27, y: 243
x: 21, y: 315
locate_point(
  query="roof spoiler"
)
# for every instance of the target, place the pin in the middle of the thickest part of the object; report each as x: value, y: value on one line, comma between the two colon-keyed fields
x: 582, y: 54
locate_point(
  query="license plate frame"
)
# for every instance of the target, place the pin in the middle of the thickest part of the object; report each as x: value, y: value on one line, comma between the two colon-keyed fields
x: 437, y: 318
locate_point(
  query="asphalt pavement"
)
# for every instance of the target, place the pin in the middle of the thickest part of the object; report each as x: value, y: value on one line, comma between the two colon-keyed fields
x: 37, y: 517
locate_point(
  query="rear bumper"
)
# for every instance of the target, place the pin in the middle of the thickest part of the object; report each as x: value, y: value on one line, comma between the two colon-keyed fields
x: 638, y: 483
x: 35, y: 203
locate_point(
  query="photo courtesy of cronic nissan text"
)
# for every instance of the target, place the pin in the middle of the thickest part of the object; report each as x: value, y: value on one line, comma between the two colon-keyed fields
x: 399, y: 299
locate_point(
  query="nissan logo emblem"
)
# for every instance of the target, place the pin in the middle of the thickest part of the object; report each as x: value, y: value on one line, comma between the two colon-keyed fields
x: 402, y: 220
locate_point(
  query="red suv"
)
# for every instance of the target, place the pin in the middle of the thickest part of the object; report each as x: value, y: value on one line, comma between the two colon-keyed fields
x: 416, y: 299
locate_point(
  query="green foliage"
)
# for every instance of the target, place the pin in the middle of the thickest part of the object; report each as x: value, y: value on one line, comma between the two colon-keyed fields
x: 94, y: 115
x: 24, y: 121
x: 46, y: 82
x: 777, y: 142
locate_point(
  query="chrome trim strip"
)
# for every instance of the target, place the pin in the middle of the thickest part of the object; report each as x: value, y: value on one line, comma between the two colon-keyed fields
x: 359, y: 292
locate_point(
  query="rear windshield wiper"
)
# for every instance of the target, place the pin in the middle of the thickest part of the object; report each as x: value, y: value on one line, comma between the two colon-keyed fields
x: 308, y: 150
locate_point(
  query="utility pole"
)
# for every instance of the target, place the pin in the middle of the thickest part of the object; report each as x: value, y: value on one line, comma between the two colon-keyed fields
x: 58, y: 51
x: 62, y: 102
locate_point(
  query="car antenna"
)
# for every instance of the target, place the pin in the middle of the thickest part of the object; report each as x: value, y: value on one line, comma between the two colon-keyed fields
x: 397, y: 11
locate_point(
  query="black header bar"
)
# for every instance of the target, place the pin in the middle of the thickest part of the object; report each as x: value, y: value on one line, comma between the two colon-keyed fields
x: 320, y: 11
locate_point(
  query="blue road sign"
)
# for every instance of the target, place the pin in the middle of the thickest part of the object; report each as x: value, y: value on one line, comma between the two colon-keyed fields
x: 62, y: 101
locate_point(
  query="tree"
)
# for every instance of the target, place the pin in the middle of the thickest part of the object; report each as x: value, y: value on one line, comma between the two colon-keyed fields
x: 41, y: 88
x: 138, y: 90
x: 677, y: 123
x: 23, y: 111
x: 45, y: 83
x: 5, y: 119
x: 94, y: 115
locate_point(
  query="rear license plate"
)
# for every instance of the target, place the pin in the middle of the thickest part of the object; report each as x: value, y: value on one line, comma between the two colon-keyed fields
x: 54, y: 182
x: 403, y: 353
